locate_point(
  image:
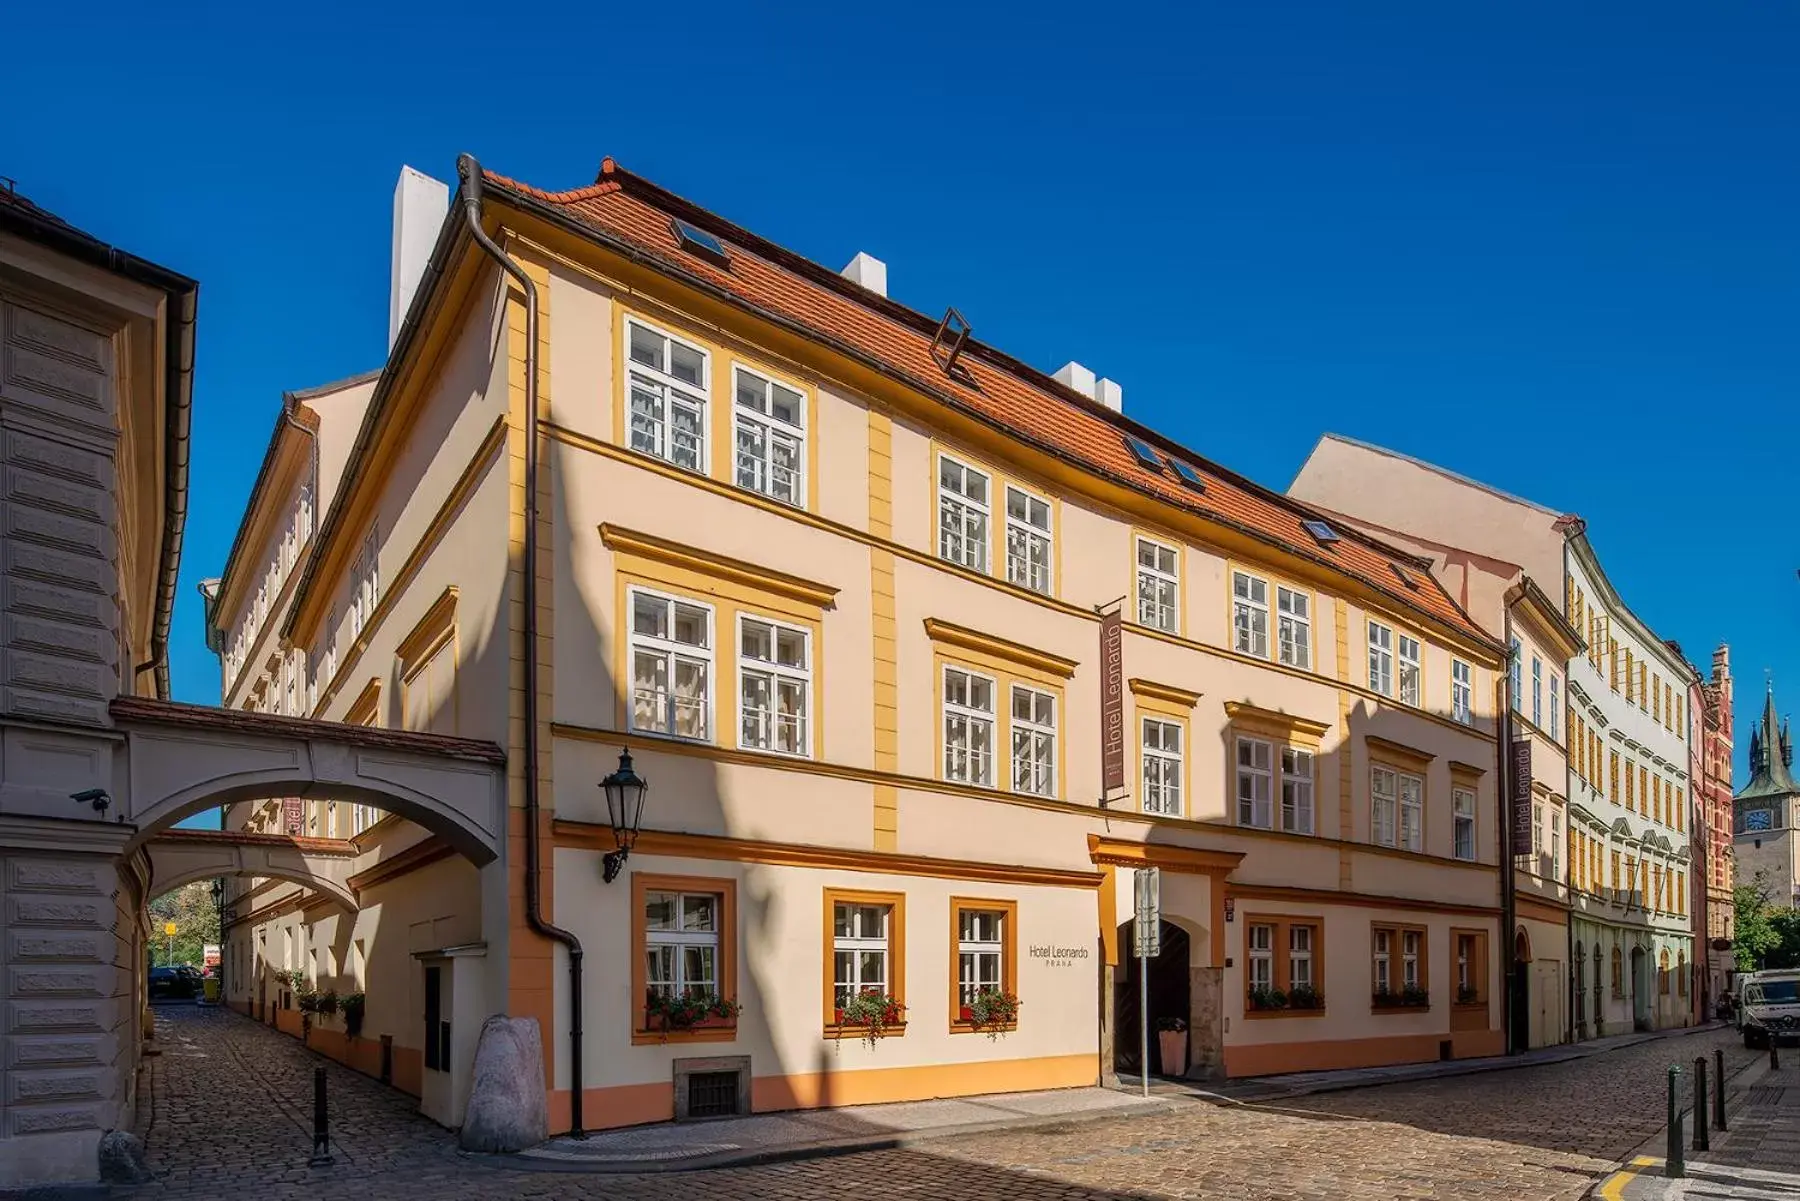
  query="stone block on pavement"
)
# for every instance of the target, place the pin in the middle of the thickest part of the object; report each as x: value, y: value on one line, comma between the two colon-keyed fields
x: 506, y: 1097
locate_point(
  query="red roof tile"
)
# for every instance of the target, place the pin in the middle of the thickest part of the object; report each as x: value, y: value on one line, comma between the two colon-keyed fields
x: 1000, y: 389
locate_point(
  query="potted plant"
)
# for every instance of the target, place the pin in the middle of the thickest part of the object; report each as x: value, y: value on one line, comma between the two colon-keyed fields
x: 668, y: 1012
x: 873, y: 1013
x: 1267, y: 999
x: 1305, y: 996
x: 293, y: 982
x: 993, y: 1010
x: 1172, y: 1042
x: 308, y: 1004
x: 1466, y: 995
x: 352, y: 1007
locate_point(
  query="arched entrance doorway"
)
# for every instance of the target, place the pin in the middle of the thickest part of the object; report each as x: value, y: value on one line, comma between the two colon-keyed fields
x: 1169, y: 996
x: 1640, y: 988
x: 1521, y: 991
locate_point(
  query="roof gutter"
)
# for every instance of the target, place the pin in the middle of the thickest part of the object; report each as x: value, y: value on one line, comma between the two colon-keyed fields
x: 178, y: 391
x: 470, y: 172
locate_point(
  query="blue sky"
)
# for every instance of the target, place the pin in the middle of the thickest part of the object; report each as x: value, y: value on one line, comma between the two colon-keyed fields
x: 1464, y: 234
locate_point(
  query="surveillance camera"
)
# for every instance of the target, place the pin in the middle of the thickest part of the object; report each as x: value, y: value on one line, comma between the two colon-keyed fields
x: 92, y: 796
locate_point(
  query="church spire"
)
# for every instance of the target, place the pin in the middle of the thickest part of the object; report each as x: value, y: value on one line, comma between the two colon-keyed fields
x: 1771, y: 753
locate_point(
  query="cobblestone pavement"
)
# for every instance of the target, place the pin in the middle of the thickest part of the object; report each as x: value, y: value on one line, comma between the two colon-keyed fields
x: 228, y: 1116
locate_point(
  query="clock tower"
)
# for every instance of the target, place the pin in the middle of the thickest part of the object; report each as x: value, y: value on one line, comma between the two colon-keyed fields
x: 1765, y: 813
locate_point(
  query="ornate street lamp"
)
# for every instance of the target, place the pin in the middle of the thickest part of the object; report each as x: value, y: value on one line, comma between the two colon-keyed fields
x: 625, y: 791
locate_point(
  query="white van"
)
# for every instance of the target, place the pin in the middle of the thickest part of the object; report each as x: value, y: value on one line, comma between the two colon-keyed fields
x: 1769, y: 1007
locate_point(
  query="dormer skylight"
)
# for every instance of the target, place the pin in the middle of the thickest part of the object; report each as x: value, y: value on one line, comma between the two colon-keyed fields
x: 1188, y: 475
x: 1323, y: 534
x: 1144, y: 453
x: 698, y: 242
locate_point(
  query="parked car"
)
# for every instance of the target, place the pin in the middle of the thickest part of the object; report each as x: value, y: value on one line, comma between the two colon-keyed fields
x: 170, y: 984
x: 1770, y: 1007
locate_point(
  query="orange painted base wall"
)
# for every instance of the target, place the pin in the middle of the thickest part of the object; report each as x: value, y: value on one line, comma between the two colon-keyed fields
x: 1271, y: 1059
x: 362, y: 1054
x: 636, y: 1104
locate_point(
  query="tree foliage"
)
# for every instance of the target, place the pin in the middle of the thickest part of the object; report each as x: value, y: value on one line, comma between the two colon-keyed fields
x: 190, y: 907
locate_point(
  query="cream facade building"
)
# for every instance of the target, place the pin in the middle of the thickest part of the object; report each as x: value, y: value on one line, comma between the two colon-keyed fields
x: 846, y: 583
x: 1605, y: 882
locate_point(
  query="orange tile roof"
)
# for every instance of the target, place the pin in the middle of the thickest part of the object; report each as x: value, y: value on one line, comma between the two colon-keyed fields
x: 1001, y: 390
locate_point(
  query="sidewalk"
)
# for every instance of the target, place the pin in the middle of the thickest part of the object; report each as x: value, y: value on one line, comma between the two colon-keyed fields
x: 810, y: 1134
x: 1757, y: 1159
x: 1300, y: 1084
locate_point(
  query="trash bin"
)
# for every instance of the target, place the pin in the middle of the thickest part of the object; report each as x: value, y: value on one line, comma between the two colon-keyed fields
x: 211, y: 988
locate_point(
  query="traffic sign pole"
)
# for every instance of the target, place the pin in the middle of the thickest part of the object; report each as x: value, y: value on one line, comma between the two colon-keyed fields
x: 1146, y: 935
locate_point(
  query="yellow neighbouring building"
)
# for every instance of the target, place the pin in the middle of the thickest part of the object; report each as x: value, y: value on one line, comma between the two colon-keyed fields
x: 840, y: 577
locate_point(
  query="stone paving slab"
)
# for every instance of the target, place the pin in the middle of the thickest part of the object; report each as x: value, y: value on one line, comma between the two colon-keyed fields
x: 1756, y: 1158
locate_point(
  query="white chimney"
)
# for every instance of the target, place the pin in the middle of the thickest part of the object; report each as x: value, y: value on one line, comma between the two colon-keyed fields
x: 867, y: 270
x: 1108, y: 393
x: 420, y: 203
x: 1074, y: 375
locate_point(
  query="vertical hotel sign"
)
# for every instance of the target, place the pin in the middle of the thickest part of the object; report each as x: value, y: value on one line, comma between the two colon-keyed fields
x: 1521, y: 796
x: 291, y: 815
x: 1112, y: 704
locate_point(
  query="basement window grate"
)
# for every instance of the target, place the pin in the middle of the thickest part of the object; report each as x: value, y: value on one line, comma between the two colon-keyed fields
x: 712, y: 1094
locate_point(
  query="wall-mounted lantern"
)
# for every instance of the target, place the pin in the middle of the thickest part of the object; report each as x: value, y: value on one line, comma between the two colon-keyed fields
x: 625, y: 791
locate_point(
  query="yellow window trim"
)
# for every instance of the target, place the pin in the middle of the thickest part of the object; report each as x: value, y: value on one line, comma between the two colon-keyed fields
x: 1009, y: 957
x: 1168, y: 542
x: 896, y: 983
x: 1290, y: 728
x: 1397, y: 754
x: 692, y: 568
x: 1466, y: 772
x: 725, y: 969
x: 1163, y: 698
x: 1005, y: 675
x: 1118, y: 852
x: 1000, y: 654
x: 1156, y: 710
x: 434, y: 629
x: 1276, y: 581
x: 998, y: 480
x: 365, y: 710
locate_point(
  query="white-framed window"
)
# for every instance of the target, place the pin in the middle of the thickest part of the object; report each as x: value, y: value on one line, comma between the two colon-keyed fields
x: 1028, y: 540
x: 1462, y: 692
x: 681, y: 943
x: 1381, y: 659
x: 365, y: 584
x: 1410, y: 674
x: 1537, y: 829
x: 1296, y: 790
x: 1300, y: 956
x: 963, y: 513
x: 1537, y: 692
x: 968, y: 727
x: 1462, y: 804
x: 1384, y: 804
x: 671, y: 666
x: 362, y: 817
x: 1033, y: 740
x: 859, y: 950
x: 1162, y: 753
x: 667, y: 385
x: 1250, y: 615
x: 1515, y: 666
x: 1465, y: 966
x: 770, y: 436
x: 980, y: 952
x: 775, y: 686
x: 1158, y: 586
x: 1412, y: 812
x: 1411, y: 945
x: 1555, y: 709
x: 1260, y: 945
x: 1383, y: 957
x: 1293, y: 626
x: 1555, y: 845
x: 1255, y: 783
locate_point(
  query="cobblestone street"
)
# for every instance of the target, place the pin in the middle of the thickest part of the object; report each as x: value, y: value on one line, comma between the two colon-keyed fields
x: 228, y: 1116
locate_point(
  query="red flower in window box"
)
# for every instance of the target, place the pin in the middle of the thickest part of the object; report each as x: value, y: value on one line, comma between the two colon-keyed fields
x: 872, y: 1012
x: 993, y: 1010
x: 668, y: 1013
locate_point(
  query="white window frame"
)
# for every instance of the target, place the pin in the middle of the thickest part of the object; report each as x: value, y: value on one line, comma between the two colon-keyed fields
x: 1152, y: 578
x: 1537, y: 692
x: 1300, y: 957
x: 1381, y: 658
x: 1556, y: 846
x: 1293, y: 626
x: 1040, y: 740
x: 1412, y: 945
x: 669, y: 391
x: 365, y: 583
x: 1462, y: 692
x: 971, y: 513
x: 1163, y: 793
x: 1409, y: 679
x: 1465, y: 977
x: 1253, y: 774
x: 970, y: 718
x: 1022, y: 570
x: 771, y: 428
x: 1555, y: 709
x: 1462, y: 807
x: 973, y: 952
x: 672, y: 651
x: 1515, y: 670
x: 1381, y: 961
x: 1412, y: 812
x: 680, y: 939
x: 1249, y: 615
x: 856, y: 944
x: 775, y: 674
x: 1259, y: 970
x: 1298, y: 766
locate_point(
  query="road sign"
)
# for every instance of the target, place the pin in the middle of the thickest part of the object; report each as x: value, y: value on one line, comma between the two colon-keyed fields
x: 169, y: 929
x: 1147, y: 927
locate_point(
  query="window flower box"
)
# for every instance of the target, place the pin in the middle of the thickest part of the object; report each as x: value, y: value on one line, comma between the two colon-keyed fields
x: 1467, y: 995
x: 1410, y: 997
x: 992, y: 1010
x: 1305, y: 997
x: 1267, y: 1000
x: 665, y: 1013
x: 871, y: 1015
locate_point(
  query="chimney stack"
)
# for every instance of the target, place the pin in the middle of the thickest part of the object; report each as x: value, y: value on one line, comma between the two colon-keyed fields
x: 420, y: 203
x: 1108, y: 393
x: 1074, y: 375
x: 867, y: 270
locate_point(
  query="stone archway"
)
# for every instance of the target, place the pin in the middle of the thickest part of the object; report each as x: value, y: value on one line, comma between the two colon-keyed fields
x: 179, y: 857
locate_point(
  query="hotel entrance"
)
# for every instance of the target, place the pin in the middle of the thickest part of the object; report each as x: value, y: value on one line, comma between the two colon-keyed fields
x: 1169, y: 997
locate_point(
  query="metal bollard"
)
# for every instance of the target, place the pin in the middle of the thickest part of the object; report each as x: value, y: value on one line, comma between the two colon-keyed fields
x: 321, y: 1152
x: 1675, y: 1167
x: 1719, y: 1088
x: 1702, y: 1140
x: 1774, y: 1054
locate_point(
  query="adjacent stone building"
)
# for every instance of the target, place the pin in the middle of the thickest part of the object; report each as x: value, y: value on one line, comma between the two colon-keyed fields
x: 1715, y: 762
x: 1765, y: 814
